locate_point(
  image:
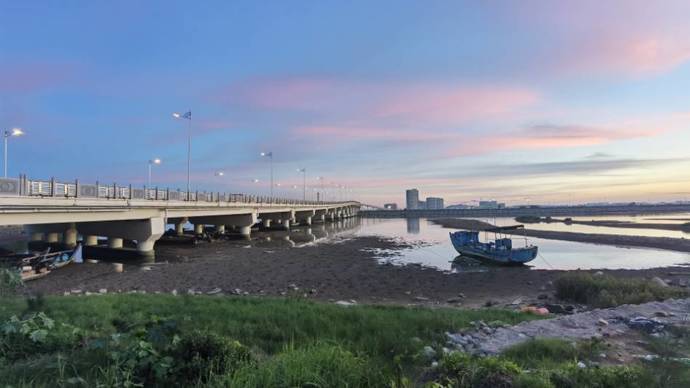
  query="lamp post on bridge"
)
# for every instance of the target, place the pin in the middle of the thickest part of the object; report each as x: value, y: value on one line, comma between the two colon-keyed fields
x: 187, y: 116
x: 155, y: 161
x: 269, y: 155
x: 7, y: 134
x: 320, y: 194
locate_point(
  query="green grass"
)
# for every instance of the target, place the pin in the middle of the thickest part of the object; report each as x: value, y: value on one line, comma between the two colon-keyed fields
x: 281, y: 334
x: 609, y: 291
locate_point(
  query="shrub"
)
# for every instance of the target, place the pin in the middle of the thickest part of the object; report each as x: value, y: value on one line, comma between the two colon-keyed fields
x: 459, y: 370
x: 609, y: 291
x: 35, y: 334
x: 571, y: 376
x: 10, y: 281
x: 199, y: 356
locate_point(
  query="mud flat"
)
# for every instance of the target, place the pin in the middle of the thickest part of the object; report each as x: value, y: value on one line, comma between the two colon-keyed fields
x: 667, y: 243
x: 344, y: 269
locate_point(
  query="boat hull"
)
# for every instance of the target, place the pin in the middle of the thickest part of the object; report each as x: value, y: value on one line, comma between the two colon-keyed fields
x: 485, y: 252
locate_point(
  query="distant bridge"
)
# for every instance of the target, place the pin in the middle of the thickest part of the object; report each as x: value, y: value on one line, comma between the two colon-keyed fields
x: 59, y: 212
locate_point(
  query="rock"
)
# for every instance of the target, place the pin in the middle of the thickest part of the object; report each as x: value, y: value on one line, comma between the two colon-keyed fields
x: 429, y: 352
x: 103, y: 291
x: 312, y: 291
x: 529, y: 282
x: 174, y: 292
x: 490, y: 303
x: 454, y: 300
x: 65, y: 293
x: 434, y: 364
x: 237, y: 291
x: 87, y: 293
x: 421, y: 298
x: 516, y: 302
x: 598, y: 273
x: 344, y: 303
x: 556, y: 308
x: 658, y: 281
x: 92, y: 261
x: 648, y: 325
x: 461, y: 295
x: 191, y: 292
x: 581, y: 365
x: 118, y: 267
x: 145, y: 268
x: 663, y: 314
x: 214, y: 291
x: 542, y: 296
x: 542, y: 288
x: 75, y: 291
x: 353, y: 301
x: 602, y: 322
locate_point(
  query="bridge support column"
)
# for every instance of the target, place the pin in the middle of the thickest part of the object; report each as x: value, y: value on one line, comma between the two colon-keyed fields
x: 179, y: 227
x: 220, y: 229
x: 53, y: 237
x: 243, y: 222
x: 307, y: 221
x: 267, y: 223
x: 69, y: 238
x: 115, y: 242
x: 198, y: 228
x: 37, y: 236
x: 245, y: 231
x: 90, y: 240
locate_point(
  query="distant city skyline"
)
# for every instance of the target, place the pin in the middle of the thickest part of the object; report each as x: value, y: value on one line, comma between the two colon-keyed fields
x: 533, y: 102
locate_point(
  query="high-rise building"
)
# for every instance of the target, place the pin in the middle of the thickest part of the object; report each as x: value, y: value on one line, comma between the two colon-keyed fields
x: 434, y: 203
x: 412, y: 199
x: 421, y: 205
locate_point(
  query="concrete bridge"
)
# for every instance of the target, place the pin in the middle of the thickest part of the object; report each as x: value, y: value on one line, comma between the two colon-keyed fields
x: 57, y: 212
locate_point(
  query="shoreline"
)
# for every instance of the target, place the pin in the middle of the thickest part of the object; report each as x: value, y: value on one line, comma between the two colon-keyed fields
x: 664, y: 243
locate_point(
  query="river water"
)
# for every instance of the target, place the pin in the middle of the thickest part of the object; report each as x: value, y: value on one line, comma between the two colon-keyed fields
x: 434, y: 248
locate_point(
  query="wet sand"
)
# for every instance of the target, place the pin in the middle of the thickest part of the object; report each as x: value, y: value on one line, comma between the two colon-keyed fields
x: 343, y: 269
x: 667, y: 243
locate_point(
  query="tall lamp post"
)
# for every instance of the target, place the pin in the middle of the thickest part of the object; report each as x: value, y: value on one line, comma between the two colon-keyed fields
x: 303, y: 170
x: 187, y: 116
x: 269, y: 155
x: 13, y: 132
x: 155, y: 161
x: 320, y: 194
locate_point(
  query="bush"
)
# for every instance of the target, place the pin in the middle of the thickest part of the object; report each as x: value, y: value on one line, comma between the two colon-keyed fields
x: 459, y: 370
x: 33, y: 335
x: 321, y: 365
x: 199, y: 356
x: 609, y: 291
x: 10, y: 281
x: 571, y: 376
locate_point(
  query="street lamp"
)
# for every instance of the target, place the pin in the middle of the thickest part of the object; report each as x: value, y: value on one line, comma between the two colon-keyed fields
x: 187, y: 116
x: 269, y: 155
x: 155, y: 161
x: 219, y: 173
x: 303, y: 170
x: 13, y: 132
x: 320, y: 194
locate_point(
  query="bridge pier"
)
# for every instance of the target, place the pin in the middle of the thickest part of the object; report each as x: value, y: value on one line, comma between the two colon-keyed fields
x: 243, y: 222
x: 37, y: 236
x: 179, y: 227
x: 267, y: 223
x: 69, y: 238
x: 198, y: 228
x: 115, y: 242
x: 220, y: 229
x: 53, y: 237
x: 90, y: 240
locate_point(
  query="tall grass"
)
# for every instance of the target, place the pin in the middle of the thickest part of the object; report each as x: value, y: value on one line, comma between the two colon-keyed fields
x: 609, y: 291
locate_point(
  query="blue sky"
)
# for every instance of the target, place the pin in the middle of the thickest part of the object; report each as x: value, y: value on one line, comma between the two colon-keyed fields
x: 520, y: 101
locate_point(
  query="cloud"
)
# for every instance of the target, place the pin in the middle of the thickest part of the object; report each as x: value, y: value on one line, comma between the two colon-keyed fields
x: 33, y: 77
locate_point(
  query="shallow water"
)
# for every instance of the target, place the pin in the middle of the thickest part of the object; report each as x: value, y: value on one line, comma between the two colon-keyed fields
x: 438, y: 252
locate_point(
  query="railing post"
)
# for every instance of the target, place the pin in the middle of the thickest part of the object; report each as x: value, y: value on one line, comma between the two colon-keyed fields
x: 156, y: 195
x: 76, y: 188
x: 52, y: 187
x: 130, y: 191
x: 98, y: 190
x: 167, y: 193
x: 196, y: 196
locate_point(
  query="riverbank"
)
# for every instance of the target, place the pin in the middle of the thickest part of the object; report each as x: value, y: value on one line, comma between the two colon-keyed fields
x: 666, y: 243
x: 342, y: 270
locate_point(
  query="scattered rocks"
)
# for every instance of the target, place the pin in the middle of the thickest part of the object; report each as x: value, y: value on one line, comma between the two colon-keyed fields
x: 648, y: 325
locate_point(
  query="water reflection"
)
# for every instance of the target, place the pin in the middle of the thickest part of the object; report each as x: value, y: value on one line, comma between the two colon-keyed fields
x: 412, y: 225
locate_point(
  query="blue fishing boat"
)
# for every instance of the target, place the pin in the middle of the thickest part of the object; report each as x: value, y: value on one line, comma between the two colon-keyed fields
x: 499, y: 251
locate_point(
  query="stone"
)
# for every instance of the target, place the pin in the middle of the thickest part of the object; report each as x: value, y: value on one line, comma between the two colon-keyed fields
x: 75, y: 291
x: 454, y: 300
x: 516, y: 302
x: 174, y: 292
x: 214, y: 291
x: 92, y: 261
x: 87, y: 293
x: 658, y: 281
x: 556, y: 308
x: 602, y: 322
x: 145, y: 268
x: 344, y: 303
x: 490, y: 303
x: 542, y: 296
x: 663, y: 314
x: 421, y: 298
x: 429, y: 352
x: 598, y: 273
x: 581, y: 365
x: 103, y: 291
x: 461, y: 295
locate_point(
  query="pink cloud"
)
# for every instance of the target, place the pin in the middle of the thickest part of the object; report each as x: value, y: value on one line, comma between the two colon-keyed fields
x: 278, y: 93
x: 28, y: 78
x: 454, y: 104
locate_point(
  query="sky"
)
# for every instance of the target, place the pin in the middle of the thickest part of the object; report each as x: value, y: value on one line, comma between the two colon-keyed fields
x: 525, y: 102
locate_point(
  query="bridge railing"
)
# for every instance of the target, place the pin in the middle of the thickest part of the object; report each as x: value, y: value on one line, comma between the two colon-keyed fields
x: 25, y: 187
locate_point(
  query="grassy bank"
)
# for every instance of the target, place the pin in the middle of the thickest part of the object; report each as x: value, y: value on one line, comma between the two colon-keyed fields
x: 162, y: 340
x: 134, y: 337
